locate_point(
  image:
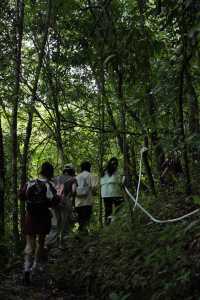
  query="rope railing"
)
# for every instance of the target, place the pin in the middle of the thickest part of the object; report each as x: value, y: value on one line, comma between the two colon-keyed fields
x: 137, y: 204
x: 155, y: 220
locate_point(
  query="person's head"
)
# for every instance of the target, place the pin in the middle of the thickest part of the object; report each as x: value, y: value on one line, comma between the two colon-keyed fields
x: 69, y: 170
x: 47, y: 170
x: 86, y: 166
x: 112, y: 165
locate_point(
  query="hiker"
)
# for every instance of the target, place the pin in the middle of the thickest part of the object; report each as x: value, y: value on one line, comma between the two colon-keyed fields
x: 69, y: 196
x: 86, y: 188
x: 111, y: 188
x: 62, y: 214
x: 39, y: 194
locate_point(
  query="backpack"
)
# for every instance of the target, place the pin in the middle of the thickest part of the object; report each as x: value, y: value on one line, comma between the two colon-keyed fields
x: 60, y: 192
x: 83, y: 190
x: 64, y: 192
x: 37, y: 201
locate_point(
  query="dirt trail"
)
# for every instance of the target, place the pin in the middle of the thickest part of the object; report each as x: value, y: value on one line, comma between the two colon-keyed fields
x: 42, y: 285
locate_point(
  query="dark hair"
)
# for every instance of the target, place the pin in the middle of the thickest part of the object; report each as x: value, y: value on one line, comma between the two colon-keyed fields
x: 70, y: 172
x: 112, y: 166
x: 86, y: 166
x: 47, y: 170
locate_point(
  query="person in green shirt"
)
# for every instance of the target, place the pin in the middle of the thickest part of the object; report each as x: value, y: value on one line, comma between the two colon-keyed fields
x: 111, y: 188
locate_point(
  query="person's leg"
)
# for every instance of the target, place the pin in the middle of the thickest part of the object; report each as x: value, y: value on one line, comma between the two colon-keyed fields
x: 40, y: 253
x: 117, y: 202
x: 87, y: 213
x: 108, y: 210
x: 80, y: 217
x: 84, y: 214
x: 63, y: 219
x: 52, y: 237
x: 29, y: 256
x: 68, y: 220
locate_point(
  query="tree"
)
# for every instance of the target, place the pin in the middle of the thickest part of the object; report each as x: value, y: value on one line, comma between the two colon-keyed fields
x: 18, y: 26
x: 2, y: 183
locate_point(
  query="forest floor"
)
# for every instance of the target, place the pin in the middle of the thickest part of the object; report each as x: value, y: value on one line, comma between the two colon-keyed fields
x: 43, y: 284
x: 129, y: 259
x: 41, y: 287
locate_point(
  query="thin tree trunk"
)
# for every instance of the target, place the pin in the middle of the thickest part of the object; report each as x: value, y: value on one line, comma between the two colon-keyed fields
x: 133, y: 155
x: 2, y: 183
x: 182, y: 130
x: 193, y: 105
x: 155, y: 140
x: 14, y: 174
x: 193, y: 114
x: 125, y: 147
x: 123, y: 123
x: 148, y: 168
x: 133, y: 165
x: 181, y: 79
x: 31, y: 110
x: 101, y: 108
x: 59, y: 141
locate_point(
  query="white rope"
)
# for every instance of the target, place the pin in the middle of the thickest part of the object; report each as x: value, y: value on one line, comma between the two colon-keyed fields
x: 136, y: 203
x: 139, y: 179
x: 155, y: 220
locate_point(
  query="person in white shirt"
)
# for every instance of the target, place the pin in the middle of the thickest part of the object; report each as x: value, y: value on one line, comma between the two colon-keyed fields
x: 84, y: 196
x: 111, y: 188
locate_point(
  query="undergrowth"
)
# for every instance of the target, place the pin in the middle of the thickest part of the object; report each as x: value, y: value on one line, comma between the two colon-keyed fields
x: 136, y: 259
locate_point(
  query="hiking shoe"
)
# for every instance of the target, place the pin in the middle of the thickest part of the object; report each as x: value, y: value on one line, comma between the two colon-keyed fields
x: 27, y: 279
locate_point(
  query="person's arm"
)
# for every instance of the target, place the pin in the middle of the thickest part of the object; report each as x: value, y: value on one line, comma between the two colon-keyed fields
x: 52, y: 195
x: 74, y: 186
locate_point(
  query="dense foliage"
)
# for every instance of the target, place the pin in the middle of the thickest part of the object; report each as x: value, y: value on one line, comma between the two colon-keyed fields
x: 97, y: 78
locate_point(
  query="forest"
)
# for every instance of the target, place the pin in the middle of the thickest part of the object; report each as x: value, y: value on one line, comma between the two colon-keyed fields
x: 90, y: 80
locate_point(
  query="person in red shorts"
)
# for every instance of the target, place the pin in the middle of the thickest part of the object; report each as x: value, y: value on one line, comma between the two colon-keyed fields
x: 39, y: 195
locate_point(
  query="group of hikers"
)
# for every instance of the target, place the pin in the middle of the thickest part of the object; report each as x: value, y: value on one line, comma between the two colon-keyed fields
x: 53, y: 204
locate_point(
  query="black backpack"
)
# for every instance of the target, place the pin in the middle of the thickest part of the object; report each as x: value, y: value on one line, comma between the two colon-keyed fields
x: 37, y: 202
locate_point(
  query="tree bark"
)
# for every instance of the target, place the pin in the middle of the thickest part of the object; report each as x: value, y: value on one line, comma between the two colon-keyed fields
x: 182, y: 130
x: 31, y: 110
x: 14, y: 143
x: 59, y: 141
x: 148, y: 168
x: 181, y: 79
x: 101, y: 108
x: 155, y: 140
x: 125, y: 147
x: 2, y: 183
x: 193, y: 104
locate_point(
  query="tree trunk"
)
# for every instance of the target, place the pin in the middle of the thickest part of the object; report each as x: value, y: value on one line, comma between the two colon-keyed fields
x: 101, y: 108
x: 182, y: 130
x: 2, y: 183
x: 133, y: 165
x: 31, y: 110
x: 193, y: 114
x: 58, y: 135
x: 14, y: 143
x: 193, y: 105
x: 155, y: 140
x: 148, y: 168
x: 122, y: 105
x: 181, y: 78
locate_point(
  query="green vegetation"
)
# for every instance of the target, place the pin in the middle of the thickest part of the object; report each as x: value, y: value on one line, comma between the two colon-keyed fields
x: 94, y: 79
